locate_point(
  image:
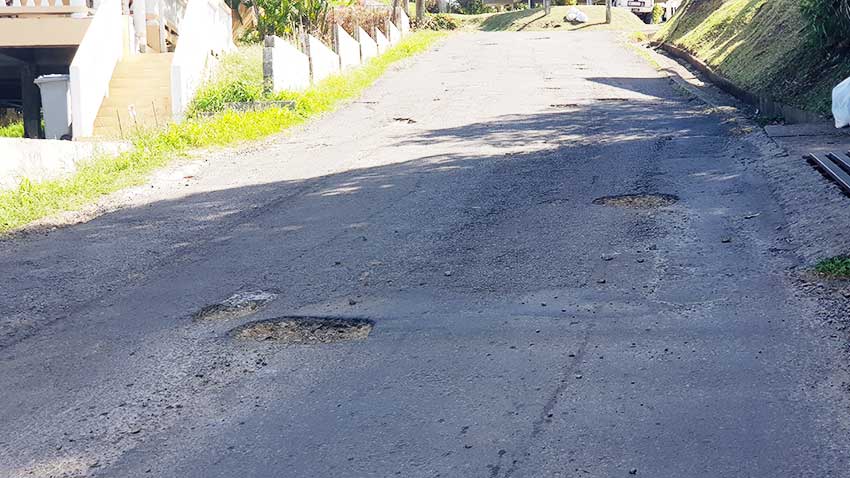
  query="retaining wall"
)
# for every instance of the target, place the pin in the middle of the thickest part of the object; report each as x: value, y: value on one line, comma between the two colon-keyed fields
x: 393, y: 33
x: 285, y: 67
x: 42, y: 159
x: 323, y: 61
x: 347, y: 48
x: 368, y: 47
x: 381, y: 40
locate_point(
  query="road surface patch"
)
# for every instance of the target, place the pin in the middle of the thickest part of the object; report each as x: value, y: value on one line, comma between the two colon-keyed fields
x: 240, y: 304
x: 305, y: 330
x: 637, y: 201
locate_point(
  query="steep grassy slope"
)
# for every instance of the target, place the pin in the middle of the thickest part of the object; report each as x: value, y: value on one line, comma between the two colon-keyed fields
x: 760, y: 45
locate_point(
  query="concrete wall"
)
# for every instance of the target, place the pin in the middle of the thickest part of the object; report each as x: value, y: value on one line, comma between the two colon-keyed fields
x: 41, y: 159
x: 368, y: 47
x: 403, y: 23
x: 91, y: 70
x: 347, y: 48
x: 205, y: 32
x: 381, y: 40
x: 323, y: 61
x: 284, y: 66
x: 393, y: 33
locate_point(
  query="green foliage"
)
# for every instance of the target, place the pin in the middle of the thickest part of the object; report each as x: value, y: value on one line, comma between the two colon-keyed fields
x: 151, y: 150
x: 277, y: 17
x: 657, y: 13
x: 472, y: 7
x: 835, y: 267
x: 571, y: 2
x: 12, y: 130
x: 285, y: 18
x: 239, y: 78
x: 828, y: 21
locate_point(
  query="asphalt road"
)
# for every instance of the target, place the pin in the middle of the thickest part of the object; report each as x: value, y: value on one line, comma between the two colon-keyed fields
x: 520, y: 330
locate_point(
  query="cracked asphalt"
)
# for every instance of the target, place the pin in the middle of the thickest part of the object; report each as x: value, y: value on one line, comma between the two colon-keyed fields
x: 520, y: 330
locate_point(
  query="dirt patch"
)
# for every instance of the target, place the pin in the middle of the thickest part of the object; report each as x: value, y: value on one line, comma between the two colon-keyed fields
x: 306, y: 330
x: 238, y: 305
x: 637, y: 201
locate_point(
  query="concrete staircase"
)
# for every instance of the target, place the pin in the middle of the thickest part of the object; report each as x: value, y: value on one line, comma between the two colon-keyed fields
x: 139, y: 96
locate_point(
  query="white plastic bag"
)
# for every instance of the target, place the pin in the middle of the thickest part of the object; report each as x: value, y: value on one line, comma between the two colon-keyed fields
x: 581, y: 17
x: 841, y: 104
x: 572, y: 14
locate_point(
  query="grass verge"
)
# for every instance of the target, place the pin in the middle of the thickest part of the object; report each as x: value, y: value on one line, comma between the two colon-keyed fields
x: 536, y: 20
x: 835, y: 267
x: 31, y: 201
x: 13, y: 130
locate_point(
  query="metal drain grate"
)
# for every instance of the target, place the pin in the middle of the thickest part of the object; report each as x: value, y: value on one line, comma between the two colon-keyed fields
x: 834, y: 166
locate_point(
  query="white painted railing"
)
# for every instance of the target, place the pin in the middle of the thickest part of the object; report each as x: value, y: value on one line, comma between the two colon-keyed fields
x: 204, y: 31
x: 41, y: 7
x: 93, y: 65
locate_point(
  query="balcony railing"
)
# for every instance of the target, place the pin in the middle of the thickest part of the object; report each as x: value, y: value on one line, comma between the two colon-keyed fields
x: 14, y: 8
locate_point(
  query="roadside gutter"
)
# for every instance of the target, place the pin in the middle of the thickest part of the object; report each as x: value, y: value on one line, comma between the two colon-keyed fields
x: 766, y: 106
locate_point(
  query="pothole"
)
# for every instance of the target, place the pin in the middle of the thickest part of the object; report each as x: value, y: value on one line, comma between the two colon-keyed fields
x: 637, y: 201
x: 305, y: 330
x: 238, y: 305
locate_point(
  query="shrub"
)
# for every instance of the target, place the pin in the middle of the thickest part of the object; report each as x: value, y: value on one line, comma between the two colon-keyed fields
x: 439, y: 21
x: 367, y: 18
x: 657, y: 13
x: 472, y: 7
x: 12, y: 130
x: 571, y: 2
x: 828, y: 21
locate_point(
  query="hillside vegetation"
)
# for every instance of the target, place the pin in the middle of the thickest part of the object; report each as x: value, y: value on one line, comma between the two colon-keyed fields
x: 535, y: 20
x: 761, y: 45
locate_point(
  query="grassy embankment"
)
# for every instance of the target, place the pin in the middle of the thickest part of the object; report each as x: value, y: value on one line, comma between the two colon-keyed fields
x: 760, y: 46
x: 152, y: 150
x: 536, y: 20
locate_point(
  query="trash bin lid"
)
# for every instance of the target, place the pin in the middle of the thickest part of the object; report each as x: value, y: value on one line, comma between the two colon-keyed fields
x: 51, y: 78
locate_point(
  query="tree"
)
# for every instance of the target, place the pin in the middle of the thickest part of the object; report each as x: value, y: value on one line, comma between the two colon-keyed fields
x: 608, y: 11
x: 420, y: 11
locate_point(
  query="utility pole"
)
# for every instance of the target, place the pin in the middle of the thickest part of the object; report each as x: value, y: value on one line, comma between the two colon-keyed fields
x: 608, y: 11
x: 420, y: 11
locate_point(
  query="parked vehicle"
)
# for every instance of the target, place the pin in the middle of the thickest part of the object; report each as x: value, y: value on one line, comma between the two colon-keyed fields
x: 643, y: 8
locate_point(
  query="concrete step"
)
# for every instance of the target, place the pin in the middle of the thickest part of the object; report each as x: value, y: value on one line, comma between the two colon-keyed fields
x: 133, y: 92
x: 139, y: 96
x: 141, y: 82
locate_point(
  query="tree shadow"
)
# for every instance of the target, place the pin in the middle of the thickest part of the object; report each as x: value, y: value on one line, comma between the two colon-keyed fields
x: 424, y: 215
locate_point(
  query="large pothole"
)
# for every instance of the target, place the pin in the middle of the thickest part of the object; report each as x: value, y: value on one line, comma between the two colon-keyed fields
x: 305, y: 330
x: 236, y: 306
x: 637, y: 201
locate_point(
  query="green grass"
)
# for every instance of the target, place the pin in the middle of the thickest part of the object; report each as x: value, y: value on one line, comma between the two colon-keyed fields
x: 13, y: 130
x: 835, y: 267
x: 760, y: 45
x: 152, y: 150
x: 536, y: 20
x: 239, y: 78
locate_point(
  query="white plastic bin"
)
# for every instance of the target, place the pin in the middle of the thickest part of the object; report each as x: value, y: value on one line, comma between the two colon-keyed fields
x: 56, y: 104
